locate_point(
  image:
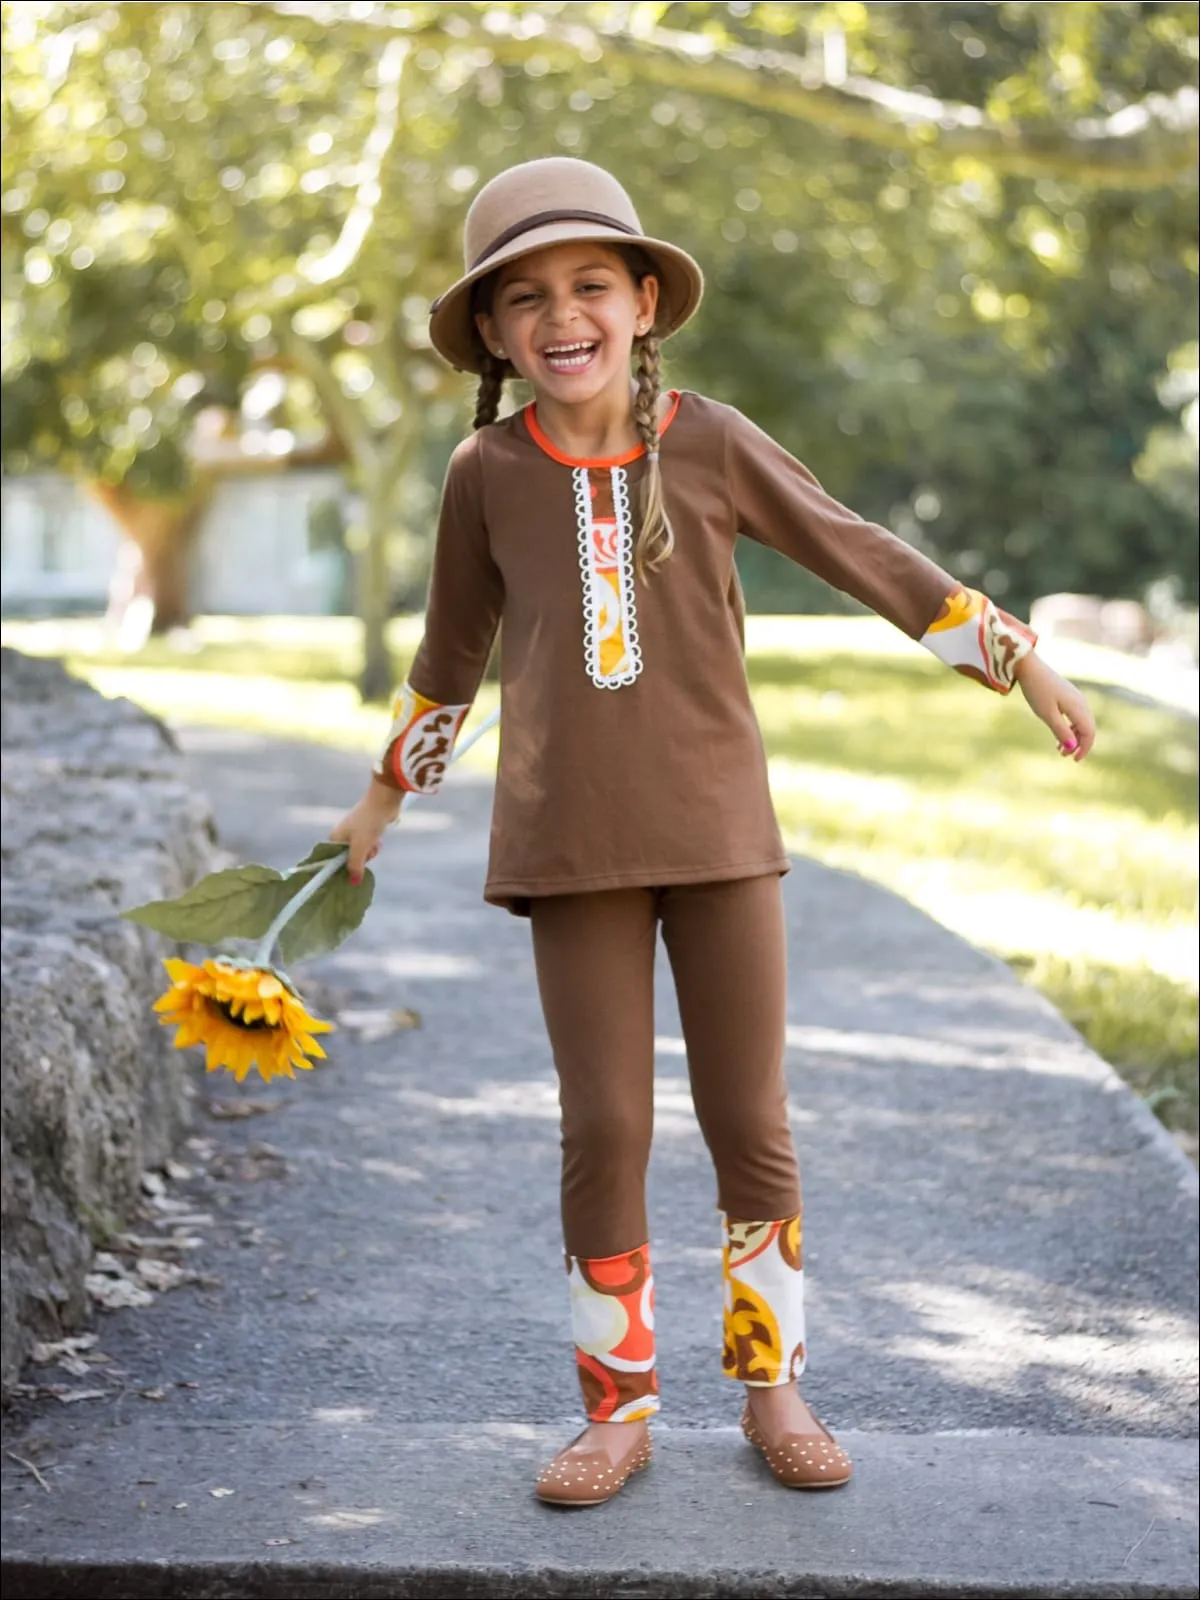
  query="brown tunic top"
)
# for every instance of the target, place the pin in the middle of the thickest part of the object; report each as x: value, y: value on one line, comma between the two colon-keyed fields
x: 630, y: 754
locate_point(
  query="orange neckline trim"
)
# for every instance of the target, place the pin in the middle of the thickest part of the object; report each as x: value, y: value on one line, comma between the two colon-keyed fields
x: 552, y: 450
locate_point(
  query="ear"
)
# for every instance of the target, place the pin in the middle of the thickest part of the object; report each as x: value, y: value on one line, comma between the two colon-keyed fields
x: 647, y: 301
x: 488, y: 331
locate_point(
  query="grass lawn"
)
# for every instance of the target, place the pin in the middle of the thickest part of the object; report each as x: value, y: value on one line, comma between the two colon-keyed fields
x: 1084, y: 877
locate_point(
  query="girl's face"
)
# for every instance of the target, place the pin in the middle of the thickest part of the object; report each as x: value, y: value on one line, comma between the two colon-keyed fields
x: 566, y: 317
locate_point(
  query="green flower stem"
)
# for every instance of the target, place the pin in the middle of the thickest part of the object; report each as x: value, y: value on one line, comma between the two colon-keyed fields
x: 262, y: 956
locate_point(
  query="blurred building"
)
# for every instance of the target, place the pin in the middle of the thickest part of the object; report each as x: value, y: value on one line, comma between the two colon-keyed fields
x: 261, y: 546
x: 271, y: 538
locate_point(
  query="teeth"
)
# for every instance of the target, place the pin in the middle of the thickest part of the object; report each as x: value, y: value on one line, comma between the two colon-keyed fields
x: 570, y: 355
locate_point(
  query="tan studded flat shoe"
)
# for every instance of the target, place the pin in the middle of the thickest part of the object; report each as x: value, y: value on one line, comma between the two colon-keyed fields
x: 802, y: 1460
x: 589, y: 1479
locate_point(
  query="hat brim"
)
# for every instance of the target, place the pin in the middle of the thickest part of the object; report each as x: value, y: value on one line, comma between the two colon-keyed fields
x: 681, y: 284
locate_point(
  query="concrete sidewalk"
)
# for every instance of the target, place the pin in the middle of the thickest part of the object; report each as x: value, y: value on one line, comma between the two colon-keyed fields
x: 1001, y: 1246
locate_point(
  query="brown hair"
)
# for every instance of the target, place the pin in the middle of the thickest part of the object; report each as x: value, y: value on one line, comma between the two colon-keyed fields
x: 491, y: 380
x: 655, y: 539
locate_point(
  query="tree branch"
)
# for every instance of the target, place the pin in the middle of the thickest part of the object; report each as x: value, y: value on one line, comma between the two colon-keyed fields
x: 337, y: 262
x: 338, y: 407
x: 1143, y: 146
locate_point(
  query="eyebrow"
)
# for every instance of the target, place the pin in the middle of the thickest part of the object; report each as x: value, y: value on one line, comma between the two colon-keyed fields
x: 594, y: 266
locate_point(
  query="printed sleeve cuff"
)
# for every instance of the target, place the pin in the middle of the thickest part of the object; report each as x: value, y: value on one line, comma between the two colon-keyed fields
x: 976, y: 638
x: 420, y: 742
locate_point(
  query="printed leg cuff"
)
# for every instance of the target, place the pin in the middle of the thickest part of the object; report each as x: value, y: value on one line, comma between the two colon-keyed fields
x: 764, y: 1302
x: 612, y: 1320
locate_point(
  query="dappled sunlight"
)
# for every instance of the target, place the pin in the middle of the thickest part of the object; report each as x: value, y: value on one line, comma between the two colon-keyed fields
x: 447, y: 1222
x: 417, y: 819
x: 342, y: 1414
x: 1014, y: 923
x: 1094, y: 882
x: 350, y: 1519
x: 497, y: 1433
x: 996, y: 1340
x: 391, y: 1169
x: 407, y: 963
x: 537, y: 1100
x: 1031, y: 1055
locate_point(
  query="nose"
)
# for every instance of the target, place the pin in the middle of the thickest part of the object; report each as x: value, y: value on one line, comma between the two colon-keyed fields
x: 561, y: 310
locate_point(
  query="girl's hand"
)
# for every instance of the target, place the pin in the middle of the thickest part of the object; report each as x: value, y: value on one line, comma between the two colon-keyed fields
x: 363, y: 828
x: 1059, y: 704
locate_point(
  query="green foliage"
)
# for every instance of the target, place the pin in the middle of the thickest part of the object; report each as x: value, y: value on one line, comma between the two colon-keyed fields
x: 331, y: 915
x: 244, y: 903
x: 1141, y: 1021
x: 238, y: 903
x: 970, y: 351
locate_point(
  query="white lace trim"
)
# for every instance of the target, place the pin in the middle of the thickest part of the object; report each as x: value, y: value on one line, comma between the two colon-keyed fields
x: 627, y: 595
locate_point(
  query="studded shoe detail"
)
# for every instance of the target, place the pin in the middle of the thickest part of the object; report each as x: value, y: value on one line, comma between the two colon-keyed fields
x: 589, y: 1479
x: 802, y: 1460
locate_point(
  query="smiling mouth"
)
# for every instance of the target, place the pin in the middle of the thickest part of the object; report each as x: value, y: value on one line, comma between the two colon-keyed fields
x: 572, y: 357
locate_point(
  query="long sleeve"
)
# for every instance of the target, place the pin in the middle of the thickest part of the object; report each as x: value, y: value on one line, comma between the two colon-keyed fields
x: 466, y: 596
x: 779, y: 503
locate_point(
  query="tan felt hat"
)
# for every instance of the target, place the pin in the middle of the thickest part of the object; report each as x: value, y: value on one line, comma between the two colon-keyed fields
x: 549, y: 202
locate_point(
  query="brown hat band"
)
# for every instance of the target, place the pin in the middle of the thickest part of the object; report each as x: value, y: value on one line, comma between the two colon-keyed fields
x: 539, y: 220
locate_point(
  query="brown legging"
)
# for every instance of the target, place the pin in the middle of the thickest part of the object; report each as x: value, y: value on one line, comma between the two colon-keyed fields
x: 595, y: 964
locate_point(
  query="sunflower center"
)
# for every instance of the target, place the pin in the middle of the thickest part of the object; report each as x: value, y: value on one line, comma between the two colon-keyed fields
x: 222, y: 1008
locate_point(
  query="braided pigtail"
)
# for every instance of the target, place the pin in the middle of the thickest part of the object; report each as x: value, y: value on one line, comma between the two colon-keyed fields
x: 655, y: 540
x: 491, y: 387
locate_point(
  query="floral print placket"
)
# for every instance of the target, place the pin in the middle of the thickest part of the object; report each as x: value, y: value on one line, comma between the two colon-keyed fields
x: 604, y: 529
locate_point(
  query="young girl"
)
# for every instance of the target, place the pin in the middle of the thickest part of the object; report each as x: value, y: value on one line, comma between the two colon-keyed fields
x: 598, y: 527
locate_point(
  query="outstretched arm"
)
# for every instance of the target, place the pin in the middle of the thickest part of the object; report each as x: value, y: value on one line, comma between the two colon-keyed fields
x: 779, y: 503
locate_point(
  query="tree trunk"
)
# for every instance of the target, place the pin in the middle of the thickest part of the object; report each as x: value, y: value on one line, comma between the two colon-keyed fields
x: 154, y: 565
x: 374, y: 592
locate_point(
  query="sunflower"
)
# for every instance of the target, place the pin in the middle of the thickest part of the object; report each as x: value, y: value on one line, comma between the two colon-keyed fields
x: 244, y: 1017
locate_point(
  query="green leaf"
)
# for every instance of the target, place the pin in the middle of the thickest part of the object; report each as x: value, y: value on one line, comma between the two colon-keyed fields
x: 330, y: 916
x: 320, y: 854
x: 239, y: 903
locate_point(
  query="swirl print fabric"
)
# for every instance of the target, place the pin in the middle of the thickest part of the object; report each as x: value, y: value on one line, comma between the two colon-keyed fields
x: 605, y: 531
x: 420, y: 741
x: 764, y: 1302
x: 612, y: 1319
x: 973, y: 636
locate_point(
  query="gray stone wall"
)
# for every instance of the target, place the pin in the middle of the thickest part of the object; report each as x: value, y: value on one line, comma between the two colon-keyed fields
x: 96, y: 817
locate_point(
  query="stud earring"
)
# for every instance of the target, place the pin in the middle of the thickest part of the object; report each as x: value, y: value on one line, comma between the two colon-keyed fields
x: 501, y: 355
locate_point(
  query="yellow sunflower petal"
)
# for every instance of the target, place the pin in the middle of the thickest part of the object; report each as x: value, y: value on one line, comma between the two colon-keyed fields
x: 310, y: 1046
x: 268, y: 986
x: 180, y: 971
x: 302, y: 1022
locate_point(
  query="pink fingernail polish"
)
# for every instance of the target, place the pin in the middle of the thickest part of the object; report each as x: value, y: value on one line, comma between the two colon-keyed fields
x: 356, y: 878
